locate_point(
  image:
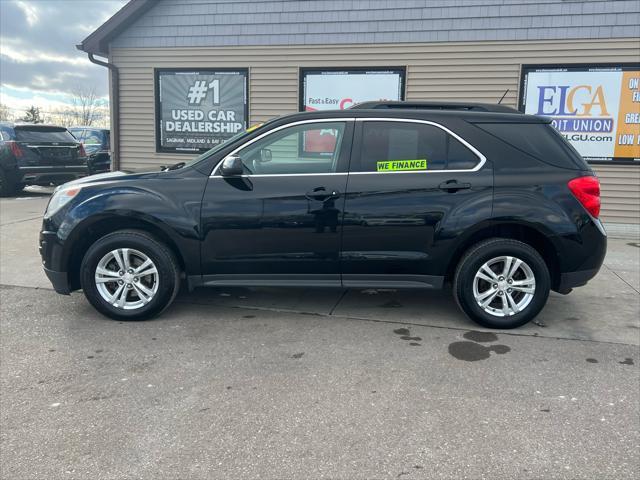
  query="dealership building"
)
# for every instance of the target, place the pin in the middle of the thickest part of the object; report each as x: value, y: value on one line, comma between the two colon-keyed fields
x: 187, y: 74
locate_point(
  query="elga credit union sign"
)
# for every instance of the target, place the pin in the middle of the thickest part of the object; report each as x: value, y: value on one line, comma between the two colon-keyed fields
x: 197, y: 110
x: 595, y: 107
x: 331, y: 89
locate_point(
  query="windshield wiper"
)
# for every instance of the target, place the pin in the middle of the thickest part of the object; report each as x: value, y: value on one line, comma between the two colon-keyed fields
x: 175, y: 166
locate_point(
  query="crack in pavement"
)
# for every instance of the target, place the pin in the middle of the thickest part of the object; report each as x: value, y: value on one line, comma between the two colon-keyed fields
x: 616, y: 274
x: 21, y: 221
x: 342, y: 295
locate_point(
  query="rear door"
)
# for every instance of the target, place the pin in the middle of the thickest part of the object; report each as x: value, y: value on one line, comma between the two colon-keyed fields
x: 414, y: 186
x: 47, y: 146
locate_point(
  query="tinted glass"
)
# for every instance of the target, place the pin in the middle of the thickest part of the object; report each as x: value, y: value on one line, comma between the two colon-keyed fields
x: 6, y: 133
x: 399, y: 146
x: 308, y: 148
x: 36, y: 134
x: 77, y: 132
x: 92, y: 137
x: 539, y: 140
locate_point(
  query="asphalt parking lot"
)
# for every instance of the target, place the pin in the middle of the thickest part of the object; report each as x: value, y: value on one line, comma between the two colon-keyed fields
x: 294, y: 383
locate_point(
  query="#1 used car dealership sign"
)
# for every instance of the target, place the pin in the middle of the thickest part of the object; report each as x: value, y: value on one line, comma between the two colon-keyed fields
x: 197, y: 110
x: 595, y: 107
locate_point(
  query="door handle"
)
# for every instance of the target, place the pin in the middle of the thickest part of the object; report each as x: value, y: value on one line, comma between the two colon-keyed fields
x: 452, y: 186
x: 322, y: 194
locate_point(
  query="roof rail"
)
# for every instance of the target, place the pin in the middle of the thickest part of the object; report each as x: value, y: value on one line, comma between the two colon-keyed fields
x: 420, y: 105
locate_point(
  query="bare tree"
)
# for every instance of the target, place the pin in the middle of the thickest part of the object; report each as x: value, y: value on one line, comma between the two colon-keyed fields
x: 85, y: 105
x: 65, y: 117
x: 5, y: 114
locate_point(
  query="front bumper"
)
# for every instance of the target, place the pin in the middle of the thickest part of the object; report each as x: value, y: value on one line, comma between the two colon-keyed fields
x: 50, y: 252
x: 59, y: 280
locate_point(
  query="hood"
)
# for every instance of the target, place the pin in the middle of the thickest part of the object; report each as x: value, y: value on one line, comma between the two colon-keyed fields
x: 109, y: 177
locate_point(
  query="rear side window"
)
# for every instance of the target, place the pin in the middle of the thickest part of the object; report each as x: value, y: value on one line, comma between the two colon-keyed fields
x: 93, y: 137
x: 39, y: 134
x: 540, y: 140
x: 408, y: 146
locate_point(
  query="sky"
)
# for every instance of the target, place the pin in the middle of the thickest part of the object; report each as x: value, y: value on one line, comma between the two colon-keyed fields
x: 39, y: 62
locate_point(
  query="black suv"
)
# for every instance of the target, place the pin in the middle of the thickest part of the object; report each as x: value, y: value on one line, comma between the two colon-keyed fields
x: 491, y: 201
x: 35, y: 154
x: 96, y: 144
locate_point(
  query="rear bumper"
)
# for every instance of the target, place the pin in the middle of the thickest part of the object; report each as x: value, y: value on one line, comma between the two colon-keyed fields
x: 51, y: 174
x: 572, y: 280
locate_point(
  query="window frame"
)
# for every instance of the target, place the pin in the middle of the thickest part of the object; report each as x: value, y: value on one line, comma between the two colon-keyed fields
x: 359, y: 137
x: 345, y: 141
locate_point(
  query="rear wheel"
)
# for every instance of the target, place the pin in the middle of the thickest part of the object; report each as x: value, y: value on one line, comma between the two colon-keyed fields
x: 502, y: 283
x: 129, y: 275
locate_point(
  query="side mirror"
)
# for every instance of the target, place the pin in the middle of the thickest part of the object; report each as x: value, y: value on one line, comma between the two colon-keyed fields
x: 265, y: 155
x: 231, y: 166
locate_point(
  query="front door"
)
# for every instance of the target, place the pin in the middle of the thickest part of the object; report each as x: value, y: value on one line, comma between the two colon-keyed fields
x: 280, y: 222
x: 413, y: 187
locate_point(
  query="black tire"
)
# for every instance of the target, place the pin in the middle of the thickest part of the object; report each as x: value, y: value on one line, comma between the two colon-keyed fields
x: 483, y: 252
x: 163, y: 258
x: 7, y: 187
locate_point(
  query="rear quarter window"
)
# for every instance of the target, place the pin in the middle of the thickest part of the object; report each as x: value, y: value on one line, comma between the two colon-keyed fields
x: 539, y: 140
x: 39, y: 134
x: 93, y: 137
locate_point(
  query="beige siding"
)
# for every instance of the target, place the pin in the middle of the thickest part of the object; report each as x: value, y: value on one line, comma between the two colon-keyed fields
x: 472, y: 71
x: 620, y: 186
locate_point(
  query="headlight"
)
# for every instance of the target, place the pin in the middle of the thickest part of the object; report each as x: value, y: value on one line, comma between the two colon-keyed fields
x: 60, y: 197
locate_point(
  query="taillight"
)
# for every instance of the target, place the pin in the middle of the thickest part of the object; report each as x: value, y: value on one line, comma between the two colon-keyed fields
x: 15, y: 149
x: 81, y: 152
x: 587, y: 191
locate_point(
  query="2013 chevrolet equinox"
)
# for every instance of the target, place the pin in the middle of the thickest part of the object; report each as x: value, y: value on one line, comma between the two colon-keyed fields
x: 388, y: 195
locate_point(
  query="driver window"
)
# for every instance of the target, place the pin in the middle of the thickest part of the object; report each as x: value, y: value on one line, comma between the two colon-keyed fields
x: 307, y: 148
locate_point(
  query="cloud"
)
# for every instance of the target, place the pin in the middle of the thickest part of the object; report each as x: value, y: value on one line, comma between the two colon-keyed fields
x: 30, y: 12
x: 37, y: 45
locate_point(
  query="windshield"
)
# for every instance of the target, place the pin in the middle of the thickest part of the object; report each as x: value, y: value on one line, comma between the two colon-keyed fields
x: 220, y: 146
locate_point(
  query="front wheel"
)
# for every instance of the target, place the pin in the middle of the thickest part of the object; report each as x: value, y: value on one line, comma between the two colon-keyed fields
x: 502, y: 283
x: 129, y: 275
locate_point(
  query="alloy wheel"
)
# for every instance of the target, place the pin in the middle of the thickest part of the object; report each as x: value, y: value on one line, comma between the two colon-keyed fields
x: 126, y: 278
x: 504, y: 286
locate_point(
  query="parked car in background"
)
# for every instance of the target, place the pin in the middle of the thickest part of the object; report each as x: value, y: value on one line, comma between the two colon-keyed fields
x: 490, y: 201
x: 96, y: 142
x: 34, y: 154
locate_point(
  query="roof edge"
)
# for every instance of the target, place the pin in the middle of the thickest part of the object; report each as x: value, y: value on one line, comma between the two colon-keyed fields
x: 98, y: 41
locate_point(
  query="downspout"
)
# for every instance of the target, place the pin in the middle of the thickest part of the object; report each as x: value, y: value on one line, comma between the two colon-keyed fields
x: 115, y: 110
